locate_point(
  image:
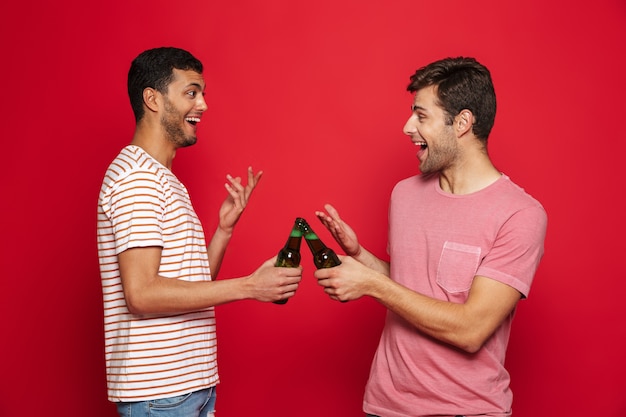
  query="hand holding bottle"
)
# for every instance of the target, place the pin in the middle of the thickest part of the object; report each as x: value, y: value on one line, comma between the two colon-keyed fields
x: 289, y: 255
x: 323, y: 256
x: 349, y: 281
x: 269, y: 283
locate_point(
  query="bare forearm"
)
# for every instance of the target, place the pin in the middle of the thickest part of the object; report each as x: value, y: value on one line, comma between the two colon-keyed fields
x: 147, y: 292
x: 169, y: 295
x: 371, y: 261
x: 438, y: 319
x: 217, y: 250
x: 466, y: 326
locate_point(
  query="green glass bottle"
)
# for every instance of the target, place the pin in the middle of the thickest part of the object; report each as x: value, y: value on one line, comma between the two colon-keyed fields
x: 289, y: 255
x: 323, y: 256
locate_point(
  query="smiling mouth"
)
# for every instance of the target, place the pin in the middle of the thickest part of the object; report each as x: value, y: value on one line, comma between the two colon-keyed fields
x: 422, y: 145
x: 192, y: 120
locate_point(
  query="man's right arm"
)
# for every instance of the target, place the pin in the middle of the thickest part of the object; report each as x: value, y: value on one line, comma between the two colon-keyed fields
x: 147, y: 292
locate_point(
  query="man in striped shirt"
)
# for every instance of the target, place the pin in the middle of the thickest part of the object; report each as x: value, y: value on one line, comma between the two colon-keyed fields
x: 158, y: 274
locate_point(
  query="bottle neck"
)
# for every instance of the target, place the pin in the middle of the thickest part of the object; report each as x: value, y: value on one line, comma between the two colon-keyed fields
x: 295, y: 237
x: 314, y: 242
x: 293, y: 242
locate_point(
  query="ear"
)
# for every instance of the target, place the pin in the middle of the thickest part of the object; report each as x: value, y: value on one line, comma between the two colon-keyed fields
x: 151, y: 99
x: 463, y: 122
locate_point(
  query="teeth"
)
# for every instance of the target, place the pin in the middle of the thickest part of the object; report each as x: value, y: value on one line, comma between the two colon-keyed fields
x: 193, y: 119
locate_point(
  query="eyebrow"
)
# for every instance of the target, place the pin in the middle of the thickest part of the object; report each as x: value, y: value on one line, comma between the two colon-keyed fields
x: 195, y: 85
x: 415, y: 107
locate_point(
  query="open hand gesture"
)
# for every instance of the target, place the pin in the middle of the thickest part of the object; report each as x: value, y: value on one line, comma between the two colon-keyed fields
x: 343, y: 234
x: 237, y: 199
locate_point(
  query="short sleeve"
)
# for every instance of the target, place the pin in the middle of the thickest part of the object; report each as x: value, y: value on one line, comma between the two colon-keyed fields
x: 136, y: 209
x: 518, y: 249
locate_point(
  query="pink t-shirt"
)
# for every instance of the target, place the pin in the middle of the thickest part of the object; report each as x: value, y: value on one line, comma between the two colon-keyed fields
x: 438, y: 243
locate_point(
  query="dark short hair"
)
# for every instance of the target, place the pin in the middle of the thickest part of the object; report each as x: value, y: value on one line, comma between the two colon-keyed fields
x: 154, y: 68
x: 461, y: 83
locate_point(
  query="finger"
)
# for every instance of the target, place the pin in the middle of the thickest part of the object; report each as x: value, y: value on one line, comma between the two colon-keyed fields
x: 333, y: 213
x: 331, y: 293
x: 322, y: 283
x: 234, y: 193
x: 322, y: 216
x: 258, y: 176
x: 253, y: 178
x: 325, y: 219
x: 235, y: 197
x: 238, y: 192
x: 291, y: 276
x: 235, y: 182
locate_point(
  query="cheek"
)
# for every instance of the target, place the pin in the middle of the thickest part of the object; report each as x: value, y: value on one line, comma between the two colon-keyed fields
x: 426, y: 131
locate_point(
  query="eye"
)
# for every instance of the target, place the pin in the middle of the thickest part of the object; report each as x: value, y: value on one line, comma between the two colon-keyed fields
x: 192, y: 93
x: 418, y: 112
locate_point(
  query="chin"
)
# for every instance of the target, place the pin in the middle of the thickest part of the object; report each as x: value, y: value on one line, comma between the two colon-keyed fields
x: 188, y: 142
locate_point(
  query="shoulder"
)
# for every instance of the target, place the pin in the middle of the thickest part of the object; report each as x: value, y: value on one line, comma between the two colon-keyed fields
x: 131, y: 160
x: 416, y: 182
x: 134, y: 165
x: 131, y: 171
x: 509, y: 191
x: 523, y: 210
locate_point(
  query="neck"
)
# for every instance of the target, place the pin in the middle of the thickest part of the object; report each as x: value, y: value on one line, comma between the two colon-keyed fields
x: 155, y: 144
x: 469, y: 176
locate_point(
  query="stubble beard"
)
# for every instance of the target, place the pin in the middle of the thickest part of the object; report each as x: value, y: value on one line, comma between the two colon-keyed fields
x: 171, y: 122
x: 440, y: 157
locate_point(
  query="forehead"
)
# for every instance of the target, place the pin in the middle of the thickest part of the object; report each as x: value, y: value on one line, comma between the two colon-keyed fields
x: 426, y: 99
x: 187, y: 78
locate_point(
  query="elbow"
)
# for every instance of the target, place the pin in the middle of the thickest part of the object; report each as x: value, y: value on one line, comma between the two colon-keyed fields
x: 471, y: 347
x: 136, y: 305
x: 134, y: 310
x: 470, y: 343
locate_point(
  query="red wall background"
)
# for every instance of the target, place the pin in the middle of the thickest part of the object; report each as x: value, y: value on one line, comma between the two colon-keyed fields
x: 314, y: 94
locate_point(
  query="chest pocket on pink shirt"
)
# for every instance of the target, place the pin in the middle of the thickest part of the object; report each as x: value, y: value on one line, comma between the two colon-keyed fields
x: 457, y: 266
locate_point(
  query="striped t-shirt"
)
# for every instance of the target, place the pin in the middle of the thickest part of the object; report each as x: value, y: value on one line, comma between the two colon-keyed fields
x: 143, y: 204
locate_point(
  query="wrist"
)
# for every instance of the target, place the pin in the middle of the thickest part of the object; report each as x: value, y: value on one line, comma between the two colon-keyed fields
x: 224, y: 233
x: 357, y: 253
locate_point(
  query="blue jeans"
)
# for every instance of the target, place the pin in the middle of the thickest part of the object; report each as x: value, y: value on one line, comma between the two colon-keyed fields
x: 195, y: 404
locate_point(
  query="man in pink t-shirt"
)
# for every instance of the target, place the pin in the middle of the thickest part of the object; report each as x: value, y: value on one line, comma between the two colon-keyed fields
x: 464, y: 245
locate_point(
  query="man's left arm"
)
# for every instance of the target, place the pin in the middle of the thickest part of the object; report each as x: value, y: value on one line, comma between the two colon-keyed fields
x: 464, y: 325
x: 467, y: 325
x: 490, y: 300
x: 504, y: 276
x: 230, y: 212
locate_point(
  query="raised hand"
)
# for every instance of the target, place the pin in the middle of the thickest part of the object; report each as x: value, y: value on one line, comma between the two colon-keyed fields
x: 341, y: 231
x: 237, y: 199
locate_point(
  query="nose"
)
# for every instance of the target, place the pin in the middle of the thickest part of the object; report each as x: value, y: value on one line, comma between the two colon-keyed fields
x: 409, y: 127
x: 201, y: 103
